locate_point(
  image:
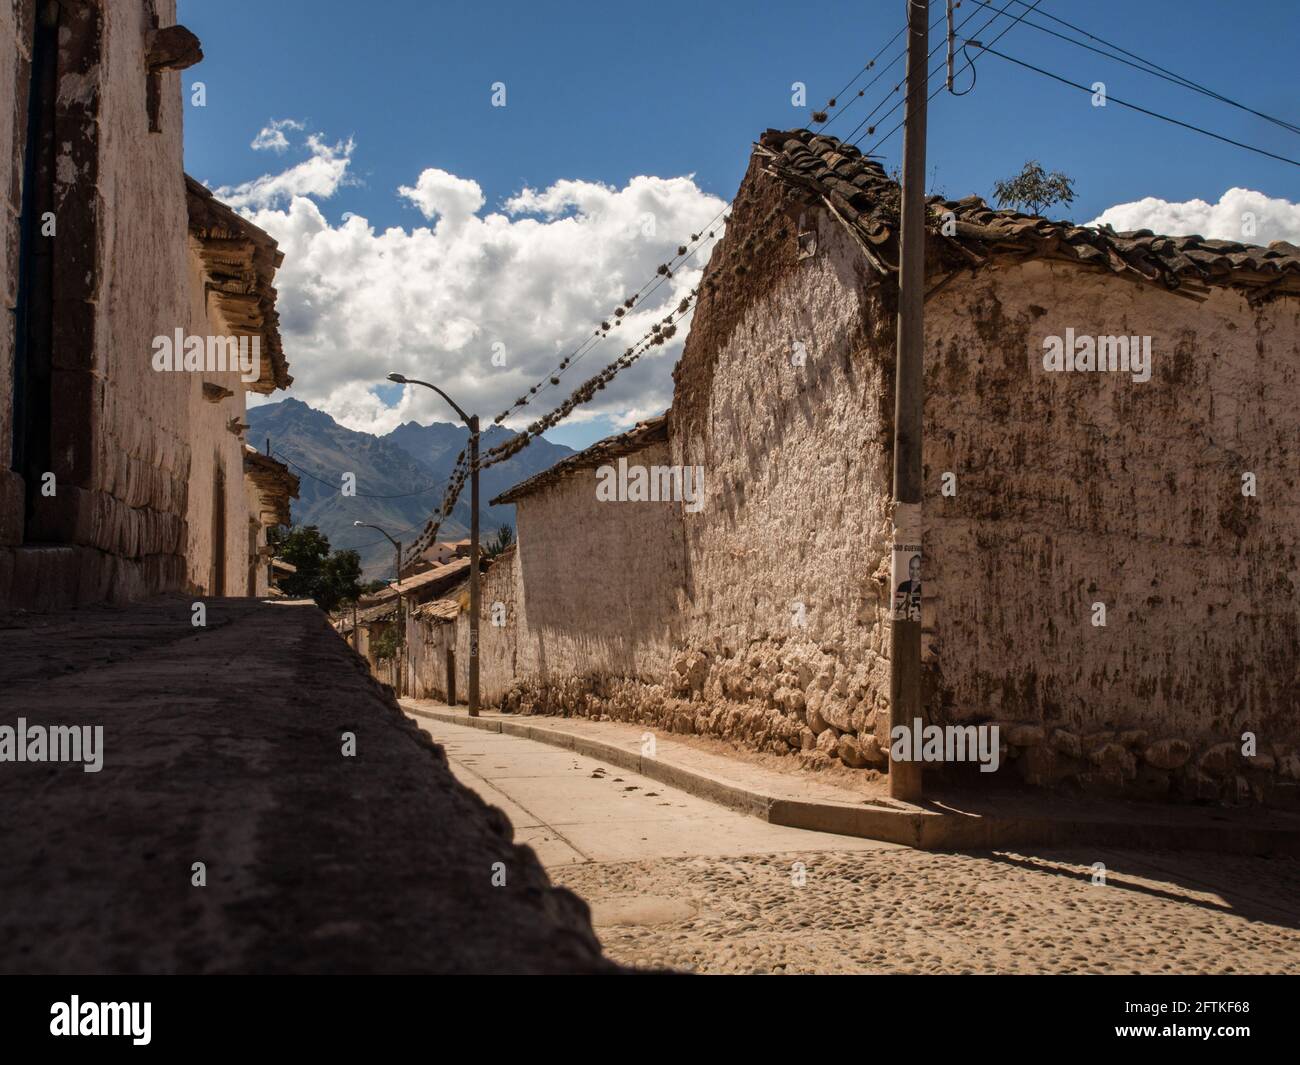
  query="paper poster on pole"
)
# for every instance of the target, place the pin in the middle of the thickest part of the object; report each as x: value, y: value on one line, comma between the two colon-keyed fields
x: 905, y: 565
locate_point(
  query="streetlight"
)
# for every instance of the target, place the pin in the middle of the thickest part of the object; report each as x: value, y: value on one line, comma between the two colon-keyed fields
x: 471, y: 421
x: 397, y: 546
x: 397, y: 581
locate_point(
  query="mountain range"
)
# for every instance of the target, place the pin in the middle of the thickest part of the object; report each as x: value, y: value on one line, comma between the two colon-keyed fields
x: 400, y: 477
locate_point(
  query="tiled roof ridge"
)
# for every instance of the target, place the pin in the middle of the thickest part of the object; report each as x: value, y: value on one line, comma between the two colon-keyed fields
x: 860, y: 191
x: 650, y: 431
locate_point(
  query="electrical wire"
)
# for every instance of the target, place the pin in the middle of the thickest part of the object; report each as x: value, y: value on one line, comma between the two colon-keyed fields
x: 929, y: 56
x: 969, y: 62
x: 1143, y: 110
x: 1147, y: 66
x: 361, y: 495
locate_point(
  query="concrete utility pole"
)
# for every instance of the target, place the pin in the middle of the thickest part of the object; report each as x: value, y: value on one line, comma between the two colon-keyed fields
x: 474, y: 601
x: 905, y: 582
x: 950, y: 45
x: 472, y: 423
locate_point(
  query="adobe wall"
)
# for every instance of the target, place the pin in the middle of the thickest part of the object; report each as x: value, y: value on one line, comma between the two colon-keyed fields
x: 1071, y: 489
x: 1082, y: 488
x: 784, y: 394
x: 212, y: 444
x: 587, y: 600
x: 427, y: 641
x: 757, y: 618
x: 253, y: 505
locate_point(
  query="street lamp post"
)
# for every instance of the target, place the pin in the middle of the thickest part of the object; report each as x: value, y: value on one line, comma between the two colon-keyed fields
x: 397, y: 582
x: 471, y: 421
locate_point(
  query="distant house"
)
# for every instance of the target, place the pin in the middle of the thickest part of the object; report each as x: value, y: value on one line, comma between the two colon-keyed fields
x: 384, y: 608
x: 270, y: 487
x: 1111, y: 513
x: 437, y: 554
x: 122, y: 390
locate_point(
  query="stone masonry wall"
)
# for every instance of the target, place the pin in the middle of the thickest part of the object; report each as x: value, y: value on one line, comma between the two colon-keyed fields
x: 15, y: 76
x: 135, y: 450
x: 142, y: 446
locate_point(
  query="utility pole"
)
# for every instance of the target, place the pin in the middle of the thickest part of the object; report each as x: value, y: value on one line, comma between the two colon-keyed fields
x: 950, y: 45
x: 905, y: 582
x: 473, y: 567
x: 472, y: 422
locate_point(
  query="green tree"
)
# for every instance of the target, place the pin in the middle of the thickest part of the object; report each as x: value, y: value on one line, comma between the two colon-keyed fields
x: 388, y: 641
x: 504, y: 538
x: 330, y: 578
x: 1034, y: 189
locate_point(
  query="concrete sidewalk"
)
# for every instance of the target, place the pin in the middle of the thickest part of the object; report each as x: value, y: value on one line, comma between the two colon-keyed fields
x: 952, y: 821
x: 573, y: 809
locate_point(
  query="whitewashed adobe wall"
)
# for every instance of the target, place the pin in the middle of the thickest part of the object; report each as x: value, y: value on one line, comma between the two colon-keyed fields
x: 1081, y: 488
x: 1071, y: 489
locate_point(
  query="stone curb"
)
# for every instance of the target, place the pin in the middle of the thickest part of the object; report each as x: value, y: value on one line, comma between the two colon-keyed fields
x: 922, y: 829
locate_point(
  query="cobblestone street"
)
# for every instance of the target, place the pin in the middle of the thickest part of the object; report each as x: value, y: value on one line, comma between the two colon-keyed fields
x: 677, y: 882
x: 906, y: 911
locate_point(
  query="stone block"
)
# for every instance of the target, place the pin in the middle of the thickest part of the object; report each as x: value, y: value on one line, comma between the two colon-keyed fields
x: 1220, y: 760
x: 1020, y: 735
x: 1067, y: 743
x: 1168, y: 753
x: 849, y: 752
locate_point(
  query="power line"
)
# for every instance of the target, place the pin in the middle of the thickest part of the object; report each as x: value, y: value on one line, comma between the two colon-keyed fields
x: 895, y: 89
x: 872, y: 62
x: 862, y: 91
x: 372, y: 543
x: 969, y: 63
x: 1143, y: 110
x: 663, y: 273
x: 659, y: 281
x: 654, y: 284
x: 660, y: 333
x: 1147, y: 66
x: 361, y: 495
x: 686, y: 252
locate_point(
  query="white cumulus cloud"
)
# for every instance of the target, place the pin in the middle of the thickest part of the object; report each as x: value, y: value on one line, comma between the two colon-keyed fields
x: 482, y: 302
x: 271, y: 136
x: 444, y: 196
x: 1241, y: 215
x: 320, y: 174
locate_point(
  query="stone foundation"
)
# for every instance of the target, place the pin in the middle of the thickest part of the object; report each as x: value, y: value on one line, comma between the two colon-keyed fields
x: 797, y: 702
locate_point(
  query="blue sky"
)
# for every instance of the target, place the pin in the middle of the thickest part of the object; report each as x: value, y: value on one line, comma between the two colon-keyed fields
x: 602, y: 94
